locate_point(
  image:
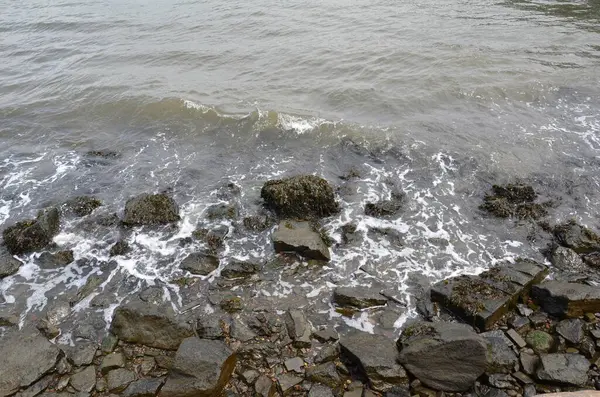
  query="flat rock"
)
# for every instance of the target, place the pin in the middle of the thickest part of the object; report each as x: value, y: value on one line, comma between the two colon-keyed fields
x: 112, y: 361
x: 119, y: 379
x: 516, y: 338
x: 288, y: 381
x: 563, y: 299
x: 300, y: 237
x: 150, y: 209
x: 325, y: 374
x: 327, y: 353
x: 377, y: 357
x: 502, y: 356
x: 33, y: 234
x: 295, y: 364
x: 143, y: 388
x: 202, y: 368
x: 572, y: 330
x: 568, y: 369
x: 200, y: 263
x: 320, y: 391
x: 82, y: 353
x: 240, y: 269
x: 579, y: 238
x: 298, y: 327
x: 443, y: 356
x: 209, y: 327
x: 529, y: 362
x: 84, y: 380
x: 482, y: 300
x: 359, y: 297
x: 264, y: 386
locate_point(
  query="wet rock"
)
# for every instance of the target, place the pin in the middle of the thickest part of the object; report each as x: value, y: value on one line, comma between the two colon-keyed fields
x: 579, y: 238
x: 8, y: 265
x: 498, y: 206
x: 320, y: 391
x: 325, y: 374
x: 84, y: 380
x: 303, y: 197
x: 264, y: 387
x: 120, y: 248
x: 200, y: 263
x: 119, y: 379
x: 214, y: 239
x: 111, y: 362
x: 32, y: 235
x: 443, y: 356
x: 515, y: 193
x: 222, y: 211
x: 258, y: 223
x: 566, y: 259
x: 359, y: 297
x: 47, y: 328
x: 52, y: 261
x: 82, y: 205
x: 143, y: 388
x: 540, y: 341
x: 202, y: 368
x: 302, y: 238
x: 298, y: 327
x: 287, y: 382
x: 150, y: 209
x: 563, y: 299
x: 569, y: 369
x: 348, y: 232
x: 484, y: 299
x: 149, y: 324
x: 376, y: 357
x: 26, y: 357
x: 82, y: 353
x: 502, y: 356
x: 385, y: 208
x: 513, y: 200
x: 8, y: 318
x: 240, y: 269
x: 572, y: 330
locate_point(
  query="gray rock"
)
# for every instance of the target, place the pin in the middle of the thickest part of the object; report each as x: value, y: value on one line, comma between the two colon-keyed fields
x: 288, y: 381
x: 359, y: 297
x: 325, y: 374
x: 502, y: 381
x: 200, y: 263
x: 209, y: 327
x: 202, y: 368
x: 82, y: 353
x: 150, y: 209
x: 529, y: 362
x: 580, y: 239
x: 518, y: 323
x: 568, y: 369
x: 327, y: 335
x: 377, y: 357
x: 567, y: 260
x: 46, y: 260
x: 572, y: 330
x: 502, y: 356
x: 564, y: 299
x: 592, y: 260
x: 493, y: 392
x: 300, y: 237
x: 298, y: 327
x: 264, y: 386
x: 119, y: 379
x: 147, y: 365
x: 112, y: 361
x: 26, y: 357
x: 240, y: 269
x: 241, y: 331
x: 443, y: 356
x: 522, y: 378
x: 529, y: 391
x: 109, y: 343
x: 295, y: 364
x: 82, y: 205
x: 8, y: 265
x: 143, y: 388
x: 37, y: 388
x: 524, y: 310
x: 540, y: 341
x: 587, y: 347
x: 327, y: 353
x: 33, y: 234
x: 149, y: 324
x: 120, y: 248
x: 8, y: 318
x: 516, y: 338
x: 250, y: 376
x: 320, y: 391
x: 84, y: 380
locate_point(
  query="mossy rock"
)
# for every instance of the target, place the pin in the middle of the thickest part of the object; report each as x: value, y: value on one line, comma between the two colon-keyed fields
x: 540, y: 341
x: 83, y: 205
x: 515, y: 192
x: 151, y: 209
x: 32, y: 234
x: 232, y: 304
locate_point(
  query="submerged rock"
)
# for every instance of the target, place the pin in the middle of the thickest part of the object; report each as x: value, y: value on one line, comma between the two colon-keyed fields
x: 151, y: 209
x: 579, y: 238
x: 385, y: 208
x: 513, y: 200
x: 302, y: 238
x: 121, y: 247
x: 565, y: 299
x: 359, y: 297
x: 303, y: 197
x: 83, y: 205
x: 200, y: 263
x: 568, y: 369
x: 34, y: 234
x: 8, y: 265
x: 52, y: 261
x: 258, y: 223
x: 222, y: 211
x: 443, y: 356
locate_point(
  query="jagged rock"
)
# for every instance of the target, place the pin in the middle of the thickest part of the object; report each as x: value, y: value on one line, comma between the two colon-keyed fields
x: 298, y: 327
x: 326, y: 335
x: 240, y: 331
x: 209, y: 327
x: 112, y: 361
x: 295, y: 364
x: 83, y: 205
x: 231, y: 304
x: 540, y: 341
x: 482, y: 300
x: 444, y: 356
x: 320, y: 391
x: 569, y: 369
x: 33, y: 234
x: 563, y: 299
x: 303, y: 197
x: 149, y: 324
x: 26, y: 357
x: 46, y: 260
x: 572, y: 330
x: 327, y: 353
x: 240, y: 269
x: 302, y: 238
x: 359, y: 297
x: 513, y: 200
x: 84, y: 380
x: 150, y: 209
x: 214, y: 238
x: 121, y: 247
x: 579, y: 238
x: 264, y: 386
x: 143, y: 388
x: 385, y: 208
x: 287, y: 382
x: 592, y: 260
x: 325, y: 374
x: 376, y: 356
x: 502, y: 356
x: 250, y: 376
x: 502, y: 381
x: 587, y: 347
x: 567, y: 260
x: 200, y: 263
x: 8, y: 265
x: 119, y: 379
x: 202, y: 368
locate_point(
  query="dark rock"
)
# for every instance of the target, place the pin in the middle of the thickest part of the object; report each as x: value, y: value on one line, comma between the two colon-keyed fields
x: 587, y: 347
x: 210, y: 327
x: 569, y: 369
x: 303, y: 197
x: 519, y: 323
x: 327, y: 353
x: 579, y: 238
x: 444, y: 356
x: 121, y: 247
x: 149, y: 324
x: 109, y: 343
x: 84, y: 380
x: 287, y: 382
x: 326, y: 335
x: 143, y: 388
x: 298, y: 327
x: 105, y: 154
x: 348, y: 232
x: 83, y: 205
x: 111, y: 362
x: 497, y: 206
x: 231, y: 304
x: 320, y: 391
x: 26, y: 357
x: 484, y: 299
x: 82, y: 353
x: 222, y: 211
x: 119, y: 379
x: 200, y: 263
x: 302, y: 238
x: 150, y: 209
x: 325, y: 374
x: 502, y: 356
x: 516, y: 338
x: 540, y: 341
x: 493, y: 392
x: 539, y: 319
x: 564, y: 299
x: 214, y: 239
x: 258, y: 223
x: 240, y: 269
x: 47, y: 328
x: 376, y: 357
x: 502, y: 381
x: 32, y: 235
x: 359, y: 297
x: 515, y: 193
x: 572, y: 330
x: 566, y: 259
x: 52, y: 261
x: 264, y: 386
x: 385, y: 208
x: 592, y: 260
x: 8, y: 265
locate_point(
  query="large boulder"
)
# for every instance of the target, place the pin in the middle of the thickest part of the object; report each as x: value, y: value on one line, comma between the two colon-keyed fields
x: 202, y: 368
x: 443, y: 356
x: 376, y: 357
x: 26, y: 357
x: 303, y: 197
x: 567, y: 369
x: 149, y: 324
x: 302, y: 238
x: 151, y: 209
x: 579, y: 238
x: 8, y: 264
x: 563, y: 299
x: 33, y: 234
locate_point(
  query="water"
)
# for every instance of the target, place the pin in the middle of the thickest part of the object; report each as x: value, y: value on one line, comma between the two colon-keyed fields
x: 438, y: 99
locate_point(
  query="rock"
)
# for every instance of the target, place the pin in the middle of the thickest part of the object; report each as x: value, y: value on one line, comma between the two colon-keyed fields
x: 83, y: 205
x: 540, y: 341
x: 302, y: 238
x: 515, y: 193
x: 26, y: 357
x: 143, y: 388
x: 522, y: 378
x: 359, y: 297
x: 209, y: 327
x: 516, y: 338
x: 147, y: 365
x: 320, y: 391
x: 529, y: 391
x: 524, y: 310
x: 8, y: 318
x: 222, y: 211
x: 484, y: 299
x: 295, y: 364
x: 539, y: 319
x: 566, y: 259
x: 579, y: 238
x: 325, y: 374
x: 493, y: 392
x: 298, y: 327
x: 502, y: 356
x: 202, y: 368
x: 150, y: 209
x: 84, y: 380
x: 240, y: 269
x: 327, y: 353
x: 213, y: 238
x: 513, y: 200
x: 587, y: 347
x: 32, y: 235
x: 82, y: 353
x: 572, y: 330
x: 112, y: 361
x: 231, y: 304
x: 258, y: 223
x: 287, y: 382
x: 502, y: 381
x: 109, y: 343
x: 149, y: 324
x: 119, y: 379
x: 250, y: 376
x: 592, y: 260
x: 569, y: 369
x: 264, y: 387
x: 443, y: 356
x: 240, y: 331
x: 200, y: 263
x: 330, y: 335
x: 385, y: 208
x: 8, y: 265
x: 303, y: 197
x: 46, y: 260
x: 564, y: 299
x: 121, y: 247
x: 376, y: 357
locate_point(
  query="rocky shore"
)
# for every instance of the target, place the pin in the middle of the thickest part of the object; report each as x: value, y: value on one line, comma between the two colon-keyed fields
x: 518, y: 329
